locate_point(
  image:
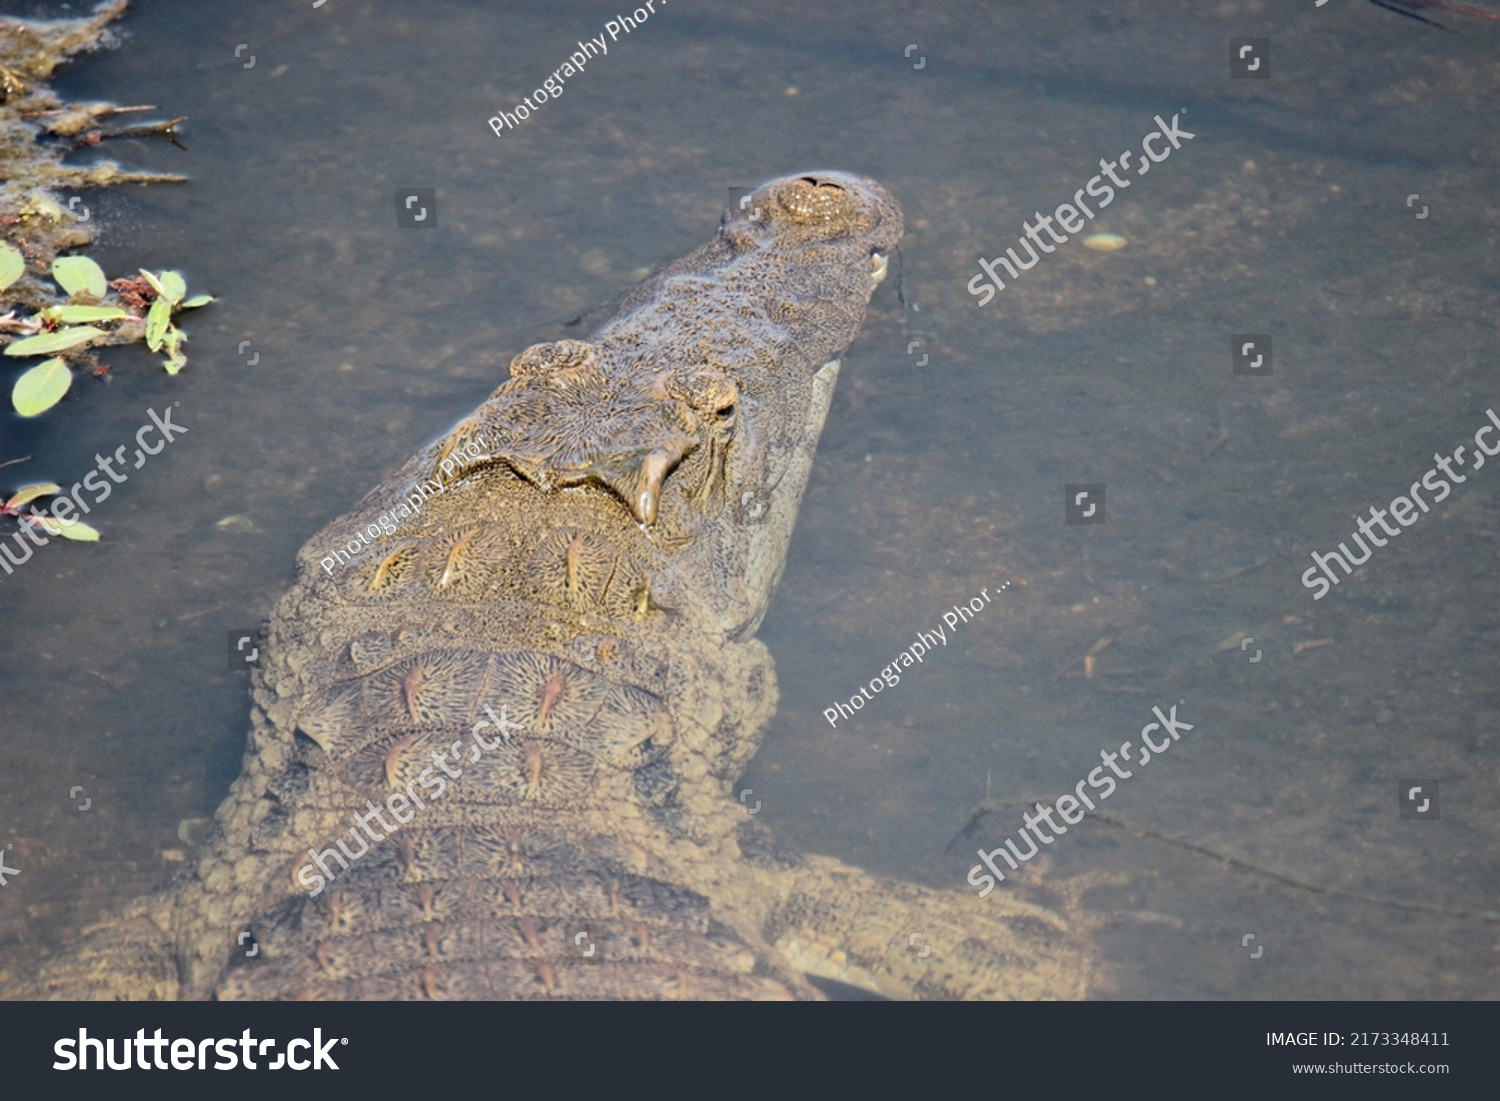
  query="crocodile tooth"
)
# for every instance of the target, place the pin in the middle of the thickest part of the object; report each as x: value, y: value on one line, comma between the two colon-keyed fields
x: 653, y: 471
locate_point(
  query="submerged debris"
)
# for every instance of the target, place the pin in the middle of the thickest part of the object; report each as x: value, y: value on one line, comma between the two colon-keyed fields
x: 68, y: 306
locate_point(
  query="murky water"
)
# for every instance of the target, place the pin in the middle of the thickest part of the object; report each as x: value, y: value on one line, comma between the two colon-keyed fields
x: 1285, y: 215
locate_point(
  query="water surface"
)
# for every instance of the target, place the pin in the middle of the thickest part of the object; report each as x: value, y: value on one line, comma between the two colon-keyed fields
x: 1285, y: 215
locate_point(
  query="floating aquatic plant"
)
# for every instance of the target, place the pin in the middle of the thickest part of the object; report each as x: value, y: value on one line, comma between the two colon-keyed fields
x: 66, y: 317
x: 82, y: 311
x: 127, y: 309
x: 76, y: 530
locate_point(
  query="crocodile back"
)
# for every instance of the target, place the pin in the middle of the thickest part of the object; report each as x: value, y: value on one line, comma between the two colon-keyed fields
x: 502, y: 706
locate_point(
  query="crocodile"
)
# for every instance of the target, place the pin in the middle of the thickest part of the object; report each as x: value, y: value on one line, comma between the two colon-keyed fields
x: 498, y: 720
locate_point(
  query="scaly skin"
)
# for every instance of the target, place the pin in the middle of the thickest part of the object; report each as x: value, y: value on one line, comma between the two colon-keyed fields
x: 611, y: 525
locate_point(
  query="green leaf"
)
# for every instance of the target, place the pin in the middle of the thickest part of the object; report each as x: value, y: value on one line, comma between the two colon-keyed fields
x: 84, y: 313
x: 173, y: 286
x: 197, y: 300
x: 175, y: 360
x: 157, y: 323
x: 155, y: 283
x: 43, y: 343
x: 26, y: 494
x: 12, y: 265
x: 77, y: 531
x: 40, y: 388
x: 79, y: 273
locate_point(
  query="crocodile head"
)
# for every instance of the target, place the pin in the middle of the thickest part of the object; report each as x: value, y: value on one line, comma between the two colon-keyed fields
x: 564, y: 420
x: 701, y: 402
